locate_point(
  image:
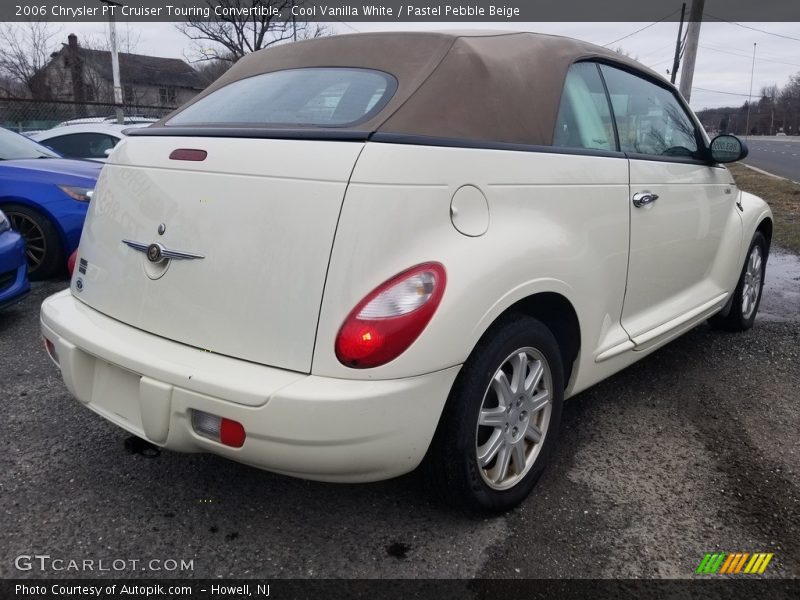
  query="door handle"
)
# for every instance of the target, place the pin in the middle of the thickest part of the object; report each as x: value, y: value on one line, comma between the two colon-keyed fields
x: 643, y: 199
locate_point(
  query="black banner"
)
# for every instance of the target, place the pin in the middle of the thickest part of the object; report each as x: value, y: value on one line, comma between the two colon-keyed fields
x: 708, y: 588
x: 408, y: 11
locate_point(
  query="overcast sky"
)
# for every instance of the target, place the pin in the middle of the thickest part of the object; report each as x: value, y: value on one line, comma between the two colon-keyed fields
x: 723, y: 64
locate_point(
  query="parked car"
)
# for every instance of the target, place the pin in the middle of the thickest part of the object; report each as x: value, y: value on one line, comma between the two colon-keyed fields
x: 13, y: 266
x: 352, y: 253
x: 88, y: 142
x: 127, y: 120
x: 45, y: 197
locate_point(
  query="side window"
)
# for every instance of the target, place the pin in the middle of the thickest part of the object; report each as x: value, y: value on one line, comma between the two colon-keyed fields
x: 584, y: 119
x: 650, y: 120
x: 82, y: 145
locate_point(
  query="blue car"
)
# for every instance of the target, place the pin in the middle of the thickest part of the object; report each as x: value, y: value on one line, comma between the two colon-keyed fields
x: 13, y: 265
x: 45, y: 198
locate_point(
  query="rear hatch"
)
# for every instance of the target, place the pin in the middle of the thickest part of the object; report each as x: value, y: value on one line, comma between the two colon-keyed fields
x: 261, y: 213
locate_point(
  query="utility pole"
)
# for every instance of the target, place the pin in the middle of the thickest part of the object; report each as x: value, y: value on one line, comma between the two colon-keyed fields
x: 677, y: 61
x: 750, y: 97
x: 112, y: 26
x: 692, y: 39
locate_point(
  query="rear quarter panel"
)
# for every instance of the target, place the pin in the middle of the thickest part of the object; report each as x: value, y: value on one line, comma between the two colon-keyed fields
x: 558, y: 223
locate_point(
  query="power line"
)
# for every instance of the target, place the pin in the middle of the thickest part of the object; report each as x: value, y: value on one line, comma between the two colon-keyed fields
x: 758, y: 58
x: 656, y: 51
x: 780, y: 35
x: 726, y: 93
x: 642, y: 29
x: 659, y: 62
x: 346, y: 24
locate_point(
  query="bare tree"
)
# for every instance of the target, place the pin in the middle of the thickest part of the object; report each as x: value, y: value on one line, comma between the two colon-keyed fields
x: 27, y: 50
x: 228, y: 39
x: 98, y: 88
x: 211, y: 70
x: 127, y: 39
x: 623, y: 52
x: 789, y: 103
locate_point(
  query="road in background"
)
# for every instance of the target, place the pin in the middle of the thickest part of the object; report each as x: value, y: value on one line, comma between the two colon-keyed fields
x: 779, y: 155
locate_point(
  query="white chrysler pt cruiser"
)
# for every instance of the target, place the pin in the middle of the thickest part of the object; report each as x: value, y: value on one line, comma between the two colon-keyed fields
x: 354, y: 253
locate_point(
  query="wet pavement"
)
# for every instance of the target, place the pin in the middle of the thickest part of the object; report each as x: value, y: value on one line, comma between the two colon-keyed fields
x: 694, y: 449
x: 781, y: 298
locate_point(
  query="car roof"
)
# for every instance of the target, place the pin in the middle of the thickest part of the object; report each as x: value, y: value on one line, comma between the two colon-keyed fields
x: 496, y: 86
x: 106, y: 128
x: 128, y: 120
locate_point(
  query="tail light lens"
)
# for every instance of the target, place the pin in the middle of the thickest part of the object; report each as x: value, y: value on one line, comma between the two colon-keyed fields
x: 225, y: 431
x: 388, y: 320
x: 51, y: 352
x: 71, y: 262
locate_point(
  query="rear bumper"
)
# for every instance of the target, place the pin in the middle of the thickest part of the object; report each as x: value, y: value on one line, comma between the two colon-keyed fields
x: 296, y: 424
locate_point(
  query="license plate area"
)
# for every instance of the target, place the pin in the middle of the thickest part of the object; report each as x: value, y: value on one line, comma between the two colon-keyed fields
x: 115, y: 392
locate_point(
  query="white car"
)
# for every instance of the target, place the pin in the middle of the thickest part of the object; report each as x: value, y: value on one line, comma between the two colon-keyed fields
x: 356, y: 252
x: 91, y: 141
x: 126, y: 120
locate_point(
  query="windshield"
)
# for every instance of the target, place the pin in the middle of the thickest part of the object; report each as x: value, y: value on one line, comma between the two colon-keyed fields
x: 313, y: 97
x: 14, y: 146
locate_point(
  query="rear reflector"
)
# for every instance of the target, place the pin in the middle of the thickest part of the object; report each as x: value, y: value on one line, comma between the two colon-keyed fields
x: 188, y: 154
x: 225, y: 431
x: 71, y: 263
x: 51, y: 351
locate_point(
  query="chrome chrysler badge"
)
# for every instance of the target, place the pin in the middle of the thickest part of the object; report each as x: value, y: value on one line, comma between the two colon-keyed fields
x: 162, y: 228
x: 156, y: 252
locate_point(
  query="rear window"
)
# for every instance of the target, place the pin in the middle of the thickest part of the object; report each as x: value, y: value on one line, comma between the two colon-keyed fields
x: 314, y: 97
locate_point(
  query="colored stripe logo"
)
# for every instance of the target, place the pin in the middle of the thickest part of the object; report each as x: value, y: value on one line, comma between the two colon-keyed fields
x: 733, y: 563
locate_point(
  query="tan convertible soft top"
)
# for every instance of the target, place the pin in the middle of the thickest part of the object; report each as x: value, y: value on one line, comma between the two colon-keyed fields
x: 481, y: 86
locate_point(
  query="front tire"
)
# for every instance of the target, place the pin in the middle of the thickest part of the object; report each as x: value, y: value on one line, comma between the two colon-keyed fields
x: 501, y: 420
x: 747, y: 295
x: 42, y: 243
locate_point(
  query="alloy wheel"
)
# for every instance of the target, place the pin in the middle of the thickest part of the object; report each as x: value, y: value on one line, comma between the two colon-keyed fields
x: 35, y: 240
x: 752, y: 281
x: 514, y: 418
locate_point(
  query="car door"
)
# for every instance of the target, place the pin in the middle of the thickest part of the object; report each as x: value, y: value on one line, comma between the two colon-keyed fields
x: 685, y: 230
x: 584, y: 126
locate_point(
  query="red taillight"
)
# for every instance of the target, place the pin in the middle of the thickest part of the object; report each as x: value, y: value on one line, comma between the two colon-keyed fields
x: 231, y: 433
x: 225, y: 431
x: 71, y: 262
x: 385, y: 323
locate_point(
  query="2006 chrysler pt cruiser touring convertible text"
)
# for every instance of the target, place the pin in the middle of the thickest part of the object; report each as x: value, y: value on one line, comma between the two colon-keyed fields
x: 352, y: 253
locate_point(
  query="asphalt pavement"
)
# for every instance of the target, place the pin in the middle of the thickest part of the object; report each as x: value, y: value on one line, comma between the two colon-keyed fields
x: 695, y: 449
x: 779, y: 155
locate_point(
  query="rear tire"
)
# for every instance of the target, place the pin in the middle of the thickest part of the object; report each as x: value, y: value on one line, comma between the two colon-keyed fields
x: 501, y: 420
x: 747, y: 295
x: 43, y: 244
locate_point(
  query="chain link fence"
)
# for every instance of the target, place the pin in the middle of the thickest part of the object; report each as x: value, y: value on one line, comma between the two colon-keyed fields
x: 28, y: 116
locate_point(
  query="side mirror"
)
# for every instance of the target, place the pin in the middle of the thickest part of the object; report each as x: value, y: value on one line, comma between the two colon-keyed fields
x: 727, y: 148
x: 108, y: 151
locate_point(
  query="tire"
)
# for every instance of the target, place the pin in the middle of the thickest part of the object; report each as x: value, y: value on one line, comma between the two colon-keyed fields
x: 747, y: 295
x: 453, y: 461
x: 43, y: 244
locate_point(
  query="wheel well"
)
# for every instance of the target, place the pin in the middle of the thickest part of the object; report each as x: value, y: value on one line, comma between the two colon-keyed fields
x: 62, y: 236
x: 765, y: 227
x: 558, y: 315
